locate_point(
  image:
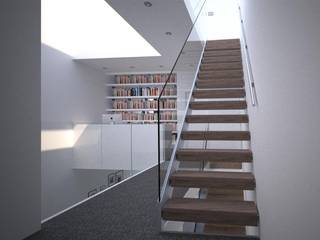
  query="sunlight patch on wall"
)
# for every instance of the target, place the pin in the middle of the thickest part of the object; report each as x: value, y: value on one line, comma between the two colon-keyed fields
x: 56, y: 139
x: 61, y: 138
x: 78, y: 130
x: 90, y: 29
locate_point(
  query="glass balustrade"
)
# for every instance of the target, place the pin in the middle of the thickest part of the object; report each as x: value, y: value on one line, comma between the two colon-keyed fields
x: 184, y: 71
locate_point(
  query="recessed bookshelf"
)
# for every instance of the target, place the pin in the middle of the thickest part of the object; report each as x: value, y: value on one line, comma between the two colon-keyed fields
x: 149, y: 121
x: 139, y: 109
x: 135, y: 97
x: 139, y: 84
x: 143, y: 97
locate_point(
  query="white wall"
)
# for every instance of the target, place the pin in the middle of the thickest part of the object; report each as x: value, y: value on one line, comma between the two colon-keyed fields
x: 283, y: 39
x: 20, y: 119
x: 225, y: 23
x: 70, y: 92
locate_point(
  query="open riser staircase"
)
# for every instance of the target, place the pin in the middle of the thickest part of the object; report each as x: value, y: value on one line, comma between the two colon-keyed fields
x: 211, y: 189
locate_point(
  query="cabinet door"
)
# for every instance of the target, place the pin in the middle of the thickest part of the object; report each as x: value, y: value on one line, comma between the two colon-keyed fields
x: 116, y: 147
x: 87, y: 148
x: 144, y: 146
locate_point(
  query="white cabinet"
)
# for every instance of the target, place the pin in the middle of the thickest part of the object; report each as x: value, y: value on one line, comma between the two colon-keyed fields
x: 87, y: 147
x: 116, y: 147
x: 144, y: 146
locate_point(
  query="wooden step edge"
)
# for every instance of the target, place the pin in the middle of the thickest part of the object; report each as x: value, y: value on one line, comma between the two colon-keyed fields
x: 242, y: 213
x: 221, y: 59
x: 215, y: 155
x: 204, y: 69
x: 220, y: 74
x: 225, y: 230
x: 226, y: 93
x: 213, y: 180
x: 216, y: 135
x: 240, y: 118
x: 200, y: 235
x: 220, y: 83
x: 222, y: 53
x: 218, y: 105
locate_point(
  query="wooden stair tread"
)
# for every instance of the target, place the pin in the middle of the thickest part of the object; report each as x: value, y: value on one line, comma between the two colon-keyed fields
x: 216, y: 135
x: 220, y: 83
x: 214, y: 155
x: 226, y: 93
x: 221, y: 59
x: 226, y: 165
x: 222, y: 44
x: 208, y: 211
x: 218, y: 105
x: 220, y: 66
x: 222, y: 53
x: 225, y: 194
x: 221, y: 74
x: 225, y: 230
x: 241, y: 118
x: 210, y: 179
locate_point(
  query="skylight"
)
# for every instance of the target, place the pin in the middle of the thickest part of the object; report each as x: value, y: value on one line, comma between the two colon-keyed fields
x: 90, y: 29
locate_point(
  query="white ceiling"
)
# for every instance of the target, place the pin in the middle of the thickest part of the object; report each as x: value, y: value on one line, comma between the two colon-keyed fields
x: 152, y: 23
x: 168, y: 16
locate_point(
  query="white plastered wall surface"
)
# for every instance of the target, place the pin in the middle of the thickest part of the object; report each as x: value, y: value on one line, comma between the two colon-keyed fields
x: 283, y: 39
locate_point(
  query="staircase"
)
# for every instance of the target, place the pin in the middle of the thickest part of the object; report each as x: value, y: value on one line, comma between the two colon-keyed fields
x: 215, y: 159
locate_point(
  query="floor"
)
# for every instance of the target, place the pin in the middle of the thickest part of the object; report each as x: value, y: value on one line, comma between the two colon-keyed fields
x: 128, y: 211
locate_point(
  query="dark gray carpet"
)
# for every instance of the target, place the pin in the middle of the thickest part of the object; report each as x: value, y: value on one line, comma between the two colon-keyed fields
x: 129, y: 211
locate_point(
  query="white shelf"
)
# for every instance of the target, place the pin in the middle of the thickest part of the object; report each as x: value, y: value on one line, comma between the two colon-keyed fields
x: 139, y: 97
x: 147, y: 121
x: 139, y: 84
x: 139, y: 109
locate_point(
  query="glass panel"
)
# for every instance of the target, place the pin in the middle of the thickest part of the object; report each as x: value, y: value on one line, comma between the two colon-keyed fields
x: 183, y: 74
x: 115, y: 146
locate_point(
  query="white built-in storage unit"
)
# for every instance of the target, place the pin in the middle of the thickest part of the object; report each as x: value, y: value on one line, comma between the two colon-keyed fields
x: 130, y: 140
x: 117, y: 147
x: 129, y: 146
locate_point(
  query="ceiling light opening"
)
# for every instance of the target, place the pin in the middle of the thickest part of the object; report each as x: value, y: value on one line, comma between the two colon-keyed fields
x: 147, y: 4
x: 86, y: 40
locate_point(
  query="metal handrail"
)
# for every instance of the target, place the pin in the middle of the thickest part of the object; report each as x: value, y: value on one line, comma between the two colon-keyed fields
x: 252, y: 87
